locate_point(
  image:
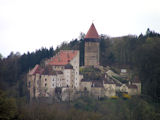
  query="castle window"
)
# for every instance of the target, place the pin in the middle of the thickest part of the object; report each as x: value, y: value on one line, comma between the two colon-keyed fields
x: 85, y: 89
x: 53, y: 85
x: 45, y: 84
x: 45, y: 79
x: 29, y: 84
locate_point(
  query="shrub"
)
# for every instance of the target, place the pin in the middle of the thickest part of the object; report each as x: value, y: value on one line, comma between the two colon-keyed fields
x: 114, y: 97
x: 126, y: 96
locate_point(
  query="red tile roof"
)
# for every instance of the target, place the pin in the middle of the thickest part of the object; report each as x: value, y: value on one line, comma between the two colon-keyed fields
x: 63, y: 57
x: 36, y: 70
x: 92, y: 32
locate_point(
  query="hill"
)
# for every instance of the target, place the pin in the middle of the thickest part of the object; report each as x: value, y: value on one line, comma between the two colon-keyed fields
x: 139, y: 53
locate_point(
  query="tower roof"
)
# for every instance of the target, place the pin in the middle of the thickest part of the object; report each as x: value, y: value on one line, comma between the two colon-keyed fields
x: 92, y: 32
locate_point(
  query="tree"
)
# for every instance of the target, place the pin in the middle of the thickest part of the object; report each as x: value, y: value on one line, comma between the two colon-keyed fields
x: 8, y: 108
x: 1, y: 56
x: 148, y: 57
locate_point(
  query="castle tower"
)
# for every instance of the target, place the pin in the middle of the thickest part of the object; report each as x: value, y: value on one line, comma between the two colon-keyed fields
x: 91, y: 47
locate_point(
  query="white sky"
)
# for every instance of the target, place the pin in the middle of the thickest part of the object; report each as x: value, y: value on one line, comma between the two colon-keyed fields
x: 27, y: 25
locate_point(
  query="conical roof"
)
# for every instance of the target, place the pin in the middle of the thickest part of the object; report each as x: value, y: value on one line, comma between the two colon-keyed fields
x: 92, y: 33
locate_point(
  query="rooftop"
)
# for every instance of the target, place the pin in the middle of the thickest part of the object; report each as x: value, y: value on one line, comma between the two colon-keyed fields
x: 63, y: 57
x: 92, y: 33
x: 132, y: 86
x: 44, y: 71
x: 36, y: 70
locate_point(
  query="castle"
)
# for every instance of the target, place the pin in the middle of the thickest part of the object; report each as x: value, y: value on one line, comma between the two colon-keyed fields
x: 60, y: 77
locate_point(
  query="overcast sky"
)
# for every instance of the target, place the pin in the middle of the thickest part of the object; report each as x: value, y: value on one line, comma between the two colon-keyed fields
x: 27, y: 25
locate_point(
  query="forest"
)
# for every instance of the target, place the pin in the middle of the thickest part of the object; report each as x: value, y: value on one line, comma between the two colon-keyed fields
x: 139, y: 53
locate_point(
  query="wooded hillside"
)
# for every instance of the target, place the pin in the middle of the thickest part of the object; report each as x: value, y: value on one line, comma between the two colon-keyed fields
x: 139, y: 53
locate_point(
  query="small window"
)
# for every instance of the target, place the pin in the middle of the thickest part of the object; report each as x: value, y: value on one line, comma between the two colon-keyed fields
x: 53, y: 79
x: 45, y: 79
x: 29, y: 84
x: 85, y: 89
x: 45, y: 84
x: 53, y: 85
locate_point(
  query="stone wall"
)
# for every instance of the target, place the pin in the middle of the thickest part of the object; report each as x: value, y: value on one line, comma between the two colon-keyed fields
x: 97, y: 92
x: 86, y: 86
x: 75, y: 63
x: 110, y: 90
x: 91, y: 53
x: 138, y: 87
x: 132, y: 91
